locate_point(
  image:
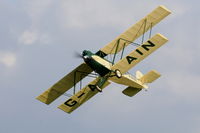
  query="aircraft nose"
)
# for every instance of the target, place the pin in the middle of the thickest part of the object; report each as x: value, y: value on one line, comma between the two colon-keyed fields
x: 84, y: 53
x: 86, y: 57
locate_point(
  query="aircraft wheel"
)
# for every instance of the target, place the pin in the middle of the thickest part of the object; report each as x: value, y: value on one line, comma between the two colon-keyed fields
x: 118, y: 73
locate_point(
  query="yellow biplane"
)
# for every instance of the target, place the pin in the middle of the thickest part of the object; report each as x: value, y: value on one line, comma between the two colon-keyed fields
x: 108, y: 71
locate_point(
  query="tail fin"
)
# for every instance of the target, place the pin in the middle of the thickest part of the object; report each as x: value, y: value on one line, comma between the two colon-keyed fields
x: 149, y: 77
x: 139, y: 75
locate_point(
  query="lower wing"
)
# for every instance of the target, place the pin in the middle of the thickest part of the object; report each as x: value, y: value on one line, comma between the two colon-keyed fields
x: 140, y: 53
x: 64, y: 84
x: 81, y: 97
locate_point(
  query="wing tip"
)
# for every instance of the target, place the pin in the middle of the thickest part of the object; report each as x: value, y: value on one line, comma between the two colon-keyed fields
x: 63, y: 108
x: 42, y: 99
x: 162, y: 36
x: 165, y: 8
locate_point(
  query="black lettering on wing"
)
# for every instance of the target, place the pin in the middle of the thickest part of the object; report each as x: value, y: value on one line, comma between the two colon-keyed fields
x: 130, y: 59
x: 70, y: 102
x: 147, y: 46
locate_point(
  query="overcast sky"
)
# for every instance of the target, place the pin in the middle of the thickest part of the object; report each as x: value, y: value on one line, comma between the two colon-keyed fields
x: 38, y: 42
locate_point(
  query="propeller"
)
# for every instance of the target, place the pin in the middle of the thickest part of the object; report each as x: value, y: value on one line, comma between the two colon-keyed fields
x: 78, y: 55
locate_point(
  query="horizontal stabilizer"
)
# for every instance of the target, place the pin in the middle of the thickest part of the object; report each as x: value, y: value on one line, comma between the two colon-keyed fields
x: 130, y: 91
x: 150, y: 77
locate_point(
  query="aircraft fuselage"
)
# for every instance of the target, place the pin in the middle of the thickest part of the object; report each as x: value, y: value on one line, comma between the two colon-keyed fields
x: 97, y: 63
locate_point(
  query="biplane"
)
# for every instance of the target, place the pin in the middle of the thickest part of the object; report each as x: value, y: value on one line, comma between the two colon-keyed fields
x: 107, y: 71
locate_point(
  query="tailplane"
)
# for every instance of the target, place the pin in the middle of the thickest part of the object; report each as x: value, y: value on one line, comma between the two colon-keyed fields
x: 138, y: 75
x: 137, y: 83
x: 149, y: 77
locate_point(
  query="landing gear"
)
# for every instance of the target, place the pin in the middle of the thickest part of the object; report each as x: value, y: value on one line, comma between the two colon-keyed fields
x: 118, y: 74
x: 93, y: 87
x: 98, y: 88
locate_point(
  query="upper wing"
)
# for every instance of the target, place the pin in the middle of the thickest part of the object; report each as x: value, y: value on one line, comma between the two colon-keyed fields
x: 140, y: 53
x: 64, y: 84
x: 135, y: 31
x: 80, y: 97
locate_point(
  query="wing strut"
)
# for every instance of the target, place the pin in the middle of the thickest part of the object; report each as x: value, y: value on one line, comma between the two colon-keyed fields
x: 63, y: 85
x: 136, y: 31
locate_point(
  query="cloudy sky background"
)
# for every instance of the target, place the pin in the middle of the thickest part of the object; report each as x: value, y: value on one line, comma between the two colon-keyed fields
x: 38, y: 41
